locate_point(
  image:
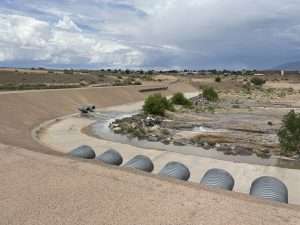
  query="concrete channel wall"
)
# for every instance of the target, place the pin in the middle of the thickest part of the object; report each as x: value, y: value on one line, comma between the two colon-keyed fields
x: 20, y: 112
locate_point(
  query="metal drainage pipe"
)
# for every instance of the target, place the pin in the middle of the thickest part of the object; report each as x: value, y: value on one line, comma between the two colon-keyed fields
x: 176, y: 170
x: 269, y: 188
x: 111, y: 157
x: 83, y: 151
x: 140, y: 162
x: 218, y: 178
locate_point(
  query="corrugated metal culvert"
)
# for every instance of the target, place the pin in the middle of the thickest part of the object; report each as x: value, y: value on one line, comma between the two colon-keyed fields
x: 111, y: 157
x: 83, y: 151
x: 140, y: 162
x: 176, y: 170
x: 269, y: 188
x: 218, y: 178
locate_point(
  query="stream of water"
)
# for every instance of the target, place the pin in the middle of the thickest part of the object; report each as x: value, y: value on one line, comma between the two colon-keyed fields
x: 100, y: 129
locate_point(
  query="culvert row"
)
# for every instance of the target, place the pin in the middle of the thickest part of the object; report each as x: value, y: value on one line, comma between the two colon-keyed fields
x: 265, y: 187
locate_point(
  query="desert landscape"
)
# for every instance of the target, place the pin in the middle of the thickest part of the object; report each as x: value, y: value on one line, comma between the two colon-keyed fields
x: 135, y: 112
x: 49, y: 123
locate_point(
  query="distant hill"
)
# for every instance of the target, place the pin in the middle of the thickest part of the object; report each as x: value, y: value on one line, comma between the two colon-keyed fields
x: 289, y: 66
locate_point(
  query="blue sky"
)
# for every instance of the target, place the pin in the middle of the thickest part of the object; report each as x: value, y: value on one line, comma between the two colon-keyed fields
x: 159, y: 34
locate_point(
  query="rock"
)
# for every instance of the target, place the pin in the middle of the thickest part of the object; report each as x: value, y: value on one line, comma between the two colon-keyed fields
x: 206, y: 146
x: 151, y: 121
x: 263, y: 153
x: 153, y: 138
x: 270, y: 123
x: 244, y: 151
x: 265, y: 150
x: 114, y: 125
x: 166, y: 141
x: 217, y: 145
x: 117, y: 130
x: 133, y: 125
x: 154, y: 128
x: 180, y: 142
x: 139, y: 133
x: 224, y: 148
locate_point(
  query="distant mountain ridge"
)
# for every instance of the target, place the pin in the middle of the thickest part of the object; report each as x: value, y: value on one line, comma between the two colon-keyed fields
x: 289, y: 66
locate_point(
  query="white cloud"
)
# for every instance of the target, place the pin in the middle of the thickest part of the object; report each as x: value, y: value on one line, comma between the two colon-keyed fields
x: 67, y: 24
x: 158, y: 33
x: 23, y: 38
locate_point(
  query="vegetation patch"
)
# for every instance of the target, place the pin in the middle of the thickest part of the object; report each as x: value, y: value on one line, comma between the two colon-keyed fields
x: 179, y: 99
x: 210, y: 94
x: 218, y: 79
x: 157, y: 105
x: 289, y: 133
x: 258, y: 81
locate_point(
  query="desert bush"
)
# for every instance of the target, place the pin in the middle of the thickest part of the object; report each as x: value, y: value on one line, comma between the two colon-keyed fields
x: 218, y: 79
x: 257, y: 81
x: 289, y: 133
x: 157, y: 105
x: 137, y: 82
x: 210, y: 94
x: 179, y: 99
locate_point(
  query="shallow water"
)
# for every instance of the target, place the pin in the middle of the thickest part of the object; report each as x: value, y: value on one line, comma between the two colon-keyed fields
x: 100, y: 129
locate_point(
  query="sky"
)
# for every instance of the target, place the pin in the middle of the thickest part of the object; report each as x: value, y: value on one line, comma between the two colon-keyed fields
x: 149, y: 34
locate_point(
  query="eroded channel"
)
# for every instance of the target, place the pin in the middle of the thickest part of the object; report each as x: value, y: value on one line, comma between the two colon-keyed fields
x: 100, y: 129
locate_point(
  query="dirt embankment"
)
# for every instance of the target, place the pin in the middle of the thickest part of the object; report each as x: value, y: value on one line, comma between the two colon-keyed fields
x: 20, y: 112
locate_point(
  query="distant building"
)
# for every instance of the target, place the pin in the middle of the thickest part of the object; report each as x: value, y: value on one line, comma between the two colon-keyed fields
x: 282, y: 73
x: 259, y: 74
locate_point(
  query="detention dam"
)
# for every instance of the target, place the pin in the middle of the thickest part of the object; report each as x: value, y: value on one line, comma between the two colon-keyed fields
x: 43, y: 186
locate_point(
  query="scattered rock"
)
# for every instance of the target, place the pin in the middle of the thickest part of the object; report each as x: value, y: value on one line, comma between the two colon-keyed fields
x: 223, y: 148
x: 117, y: 130
x: 152, y: 121
x: 206, y: 146
x: 263, y: 153
x: 181, y: 142
x: 244, y: 151
x: 153, y: 138
x: 166, y: 141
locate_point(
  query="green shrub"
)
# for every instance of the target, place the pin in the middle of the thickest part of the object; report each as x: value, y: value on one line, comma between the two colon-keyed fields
x: 257, y: 81
x: 210, y: 94
x: 157, y: 105
x: 179, y: 99
x: 218, y: 79
x: 289, y: 133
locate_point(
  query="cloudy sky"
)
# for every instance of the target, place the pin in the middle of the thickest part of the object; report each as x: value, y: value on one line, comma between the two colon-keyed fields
x: 149, y: 33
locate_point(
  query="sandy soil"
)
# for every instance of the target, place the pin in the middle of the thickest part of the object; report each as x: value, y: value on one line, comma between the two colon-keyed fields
x: 70, y: 128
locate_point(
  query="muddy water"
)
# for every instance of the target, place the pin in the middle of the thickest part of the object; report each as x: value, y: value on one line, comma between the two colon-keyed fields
x: 100, y: 129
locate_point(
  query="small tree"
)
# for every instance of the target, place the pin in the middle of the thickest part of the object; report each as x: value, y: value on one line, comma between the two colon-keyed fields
x: 257, y: 81
x: 210, y: 94
x: 179, y: 99
x: 289, y: 133
x: 157, y: 105
x: 218, y: 79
